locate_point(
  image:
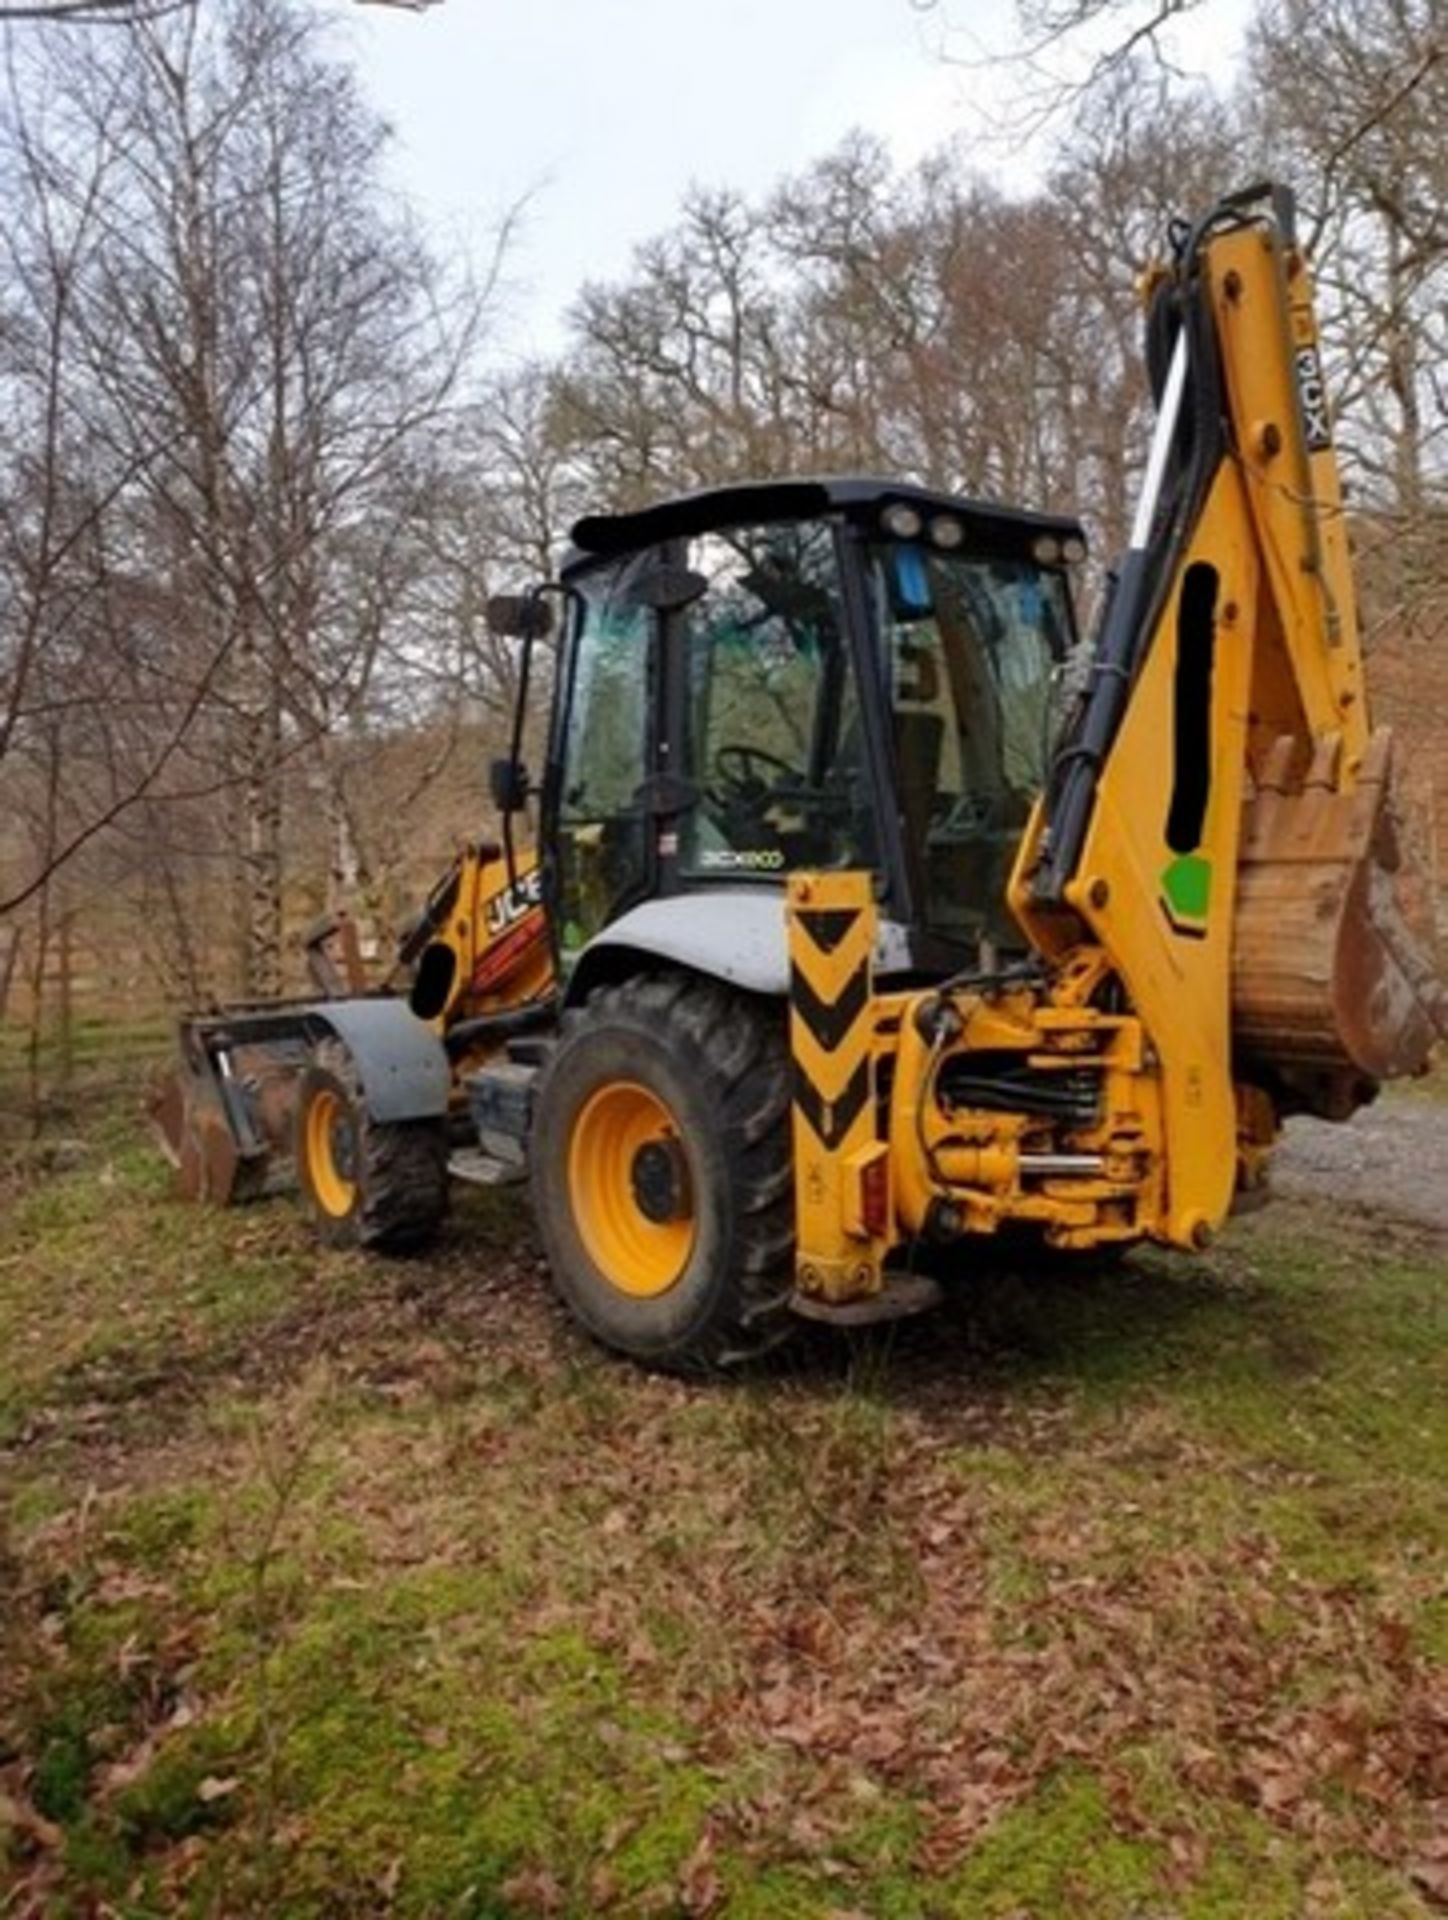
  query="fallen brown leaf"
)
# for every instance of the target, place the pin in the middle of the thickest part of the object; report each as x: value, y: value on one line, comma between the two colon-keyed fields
x: 1430, y: 1877
x: 700, y: 1888
x: 534, y: 1890
x: 18, y: 1816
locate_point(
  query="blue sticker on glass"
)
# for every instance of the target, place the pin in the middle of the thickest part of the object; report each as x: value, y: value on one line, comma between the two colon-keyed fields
x: 913, y: 598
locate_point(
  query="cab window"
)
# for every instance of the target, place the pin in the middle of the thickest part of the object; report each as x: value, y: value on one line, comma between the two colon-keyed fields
x: 971, y: 650
x: 775, y: 748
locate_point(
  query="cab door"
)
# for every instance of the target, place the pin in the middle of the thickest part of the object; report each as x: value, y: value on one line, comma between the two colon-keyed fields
x: 599, y: 825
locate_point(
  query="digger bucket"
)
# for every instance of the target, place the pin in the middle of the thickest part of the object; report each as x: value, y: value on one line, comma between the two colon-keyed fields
x: 1335, y: 985
x: 224, y: 1114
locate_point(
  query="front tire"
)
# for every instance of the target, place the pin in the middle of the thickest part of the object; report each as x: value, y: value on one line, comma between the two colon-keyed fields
x: 661, y: 1171
x: 367, y: 1183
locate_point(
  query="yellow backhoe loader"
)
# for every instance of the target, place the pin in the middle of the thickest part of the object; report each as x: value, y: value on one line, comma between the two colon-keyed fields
x: 843, y: 940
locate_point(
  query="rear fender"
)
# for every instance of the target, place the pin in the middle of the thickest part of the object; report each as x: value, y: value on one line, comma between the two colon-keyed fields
x: 737, y: 935
x: 401, y: 1063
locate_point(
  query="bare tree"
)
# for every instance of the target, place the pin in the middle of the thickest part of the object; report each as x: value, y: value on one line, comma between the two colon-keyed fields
x: 1056, y: 54
x: 1353, y: 105
x: 919, y: 323
x: 265, y: 351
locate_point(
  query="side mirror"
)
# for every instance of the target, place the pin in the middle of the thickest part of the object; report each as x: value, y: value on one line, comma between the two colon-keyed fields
x: 508, y: 784
x: 519, y: 616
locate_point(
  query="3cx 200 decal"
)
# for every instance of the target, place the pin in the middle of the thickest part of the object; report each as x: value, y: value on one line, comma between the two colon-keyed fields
x: 742, y: 859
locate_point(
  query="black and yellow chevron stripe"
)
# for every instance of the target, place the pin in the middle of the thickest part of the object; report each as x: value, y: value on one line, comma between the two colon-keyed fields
x: 831, y: 943
x: 831, y: 920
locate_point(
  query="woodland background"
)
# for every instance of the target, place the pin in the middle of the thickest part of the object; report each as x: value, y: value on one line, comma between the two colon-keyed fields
x: 259, y: 469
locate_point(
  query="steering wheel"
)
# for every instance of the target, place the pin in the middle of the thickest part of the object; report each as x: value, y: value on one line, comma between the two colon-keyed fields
x: 974, y: 815
x: 735, y: 764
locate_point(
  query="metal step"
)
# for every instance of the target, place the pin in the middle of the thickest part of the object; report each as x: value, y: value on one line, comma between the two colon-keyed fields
x: 481, y: 1169
x: 902, y: 1295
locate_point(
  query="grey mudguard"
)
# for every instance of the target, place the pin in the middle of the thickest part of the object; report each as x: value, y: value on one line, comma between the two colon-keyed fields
x: 736, y: 935
x: 400, y: 1062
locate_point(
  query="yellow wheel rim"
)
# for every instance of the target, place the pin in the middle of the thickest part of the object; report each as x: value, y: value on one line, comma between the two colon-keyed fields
x: 628, y: 1184
x: 326, y: 1119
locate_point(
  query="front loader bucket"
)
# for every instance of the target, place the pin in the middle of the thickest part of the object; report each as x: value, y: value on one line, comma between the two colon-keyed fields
x: 195, y: 1136
x: 224, y: 1114
x: 1334, y: 981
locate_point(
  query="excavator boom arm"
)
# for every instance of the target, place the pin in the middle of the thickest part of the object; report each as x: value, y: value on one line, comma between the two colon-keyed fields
x: 1220, y: 819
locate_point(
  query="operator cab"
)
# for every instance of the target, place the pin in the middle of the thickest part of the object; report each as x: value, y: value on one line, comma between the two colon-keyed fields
x: 846, y: 673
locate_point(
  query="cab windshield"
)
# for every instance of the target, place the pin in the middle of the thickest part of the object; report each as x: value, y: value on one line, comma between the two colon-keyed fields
x: 971, y: 646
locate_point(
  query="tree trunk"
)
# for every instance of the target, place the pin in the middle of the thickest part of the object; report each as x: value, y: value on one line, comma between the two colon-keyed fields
x: 34, y: 1077
x: 261, y: 825
x: 65, y: 1002
x: 1402, y: 353
x: 352, y: 882
x: 9, y: 962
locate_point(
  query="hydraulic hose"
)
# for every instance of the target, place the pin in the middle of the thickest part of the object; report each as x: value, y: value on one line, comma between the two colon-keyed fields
x: 1118, y: 644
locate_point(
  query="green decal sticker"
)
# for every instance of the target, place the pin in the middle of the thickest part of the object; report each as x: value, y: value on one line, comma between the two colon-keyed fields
x: 1187, y: 884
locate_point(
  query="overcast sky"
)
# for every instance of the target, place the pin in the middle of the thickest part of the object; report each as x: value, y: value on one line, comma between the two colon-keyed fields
x: 601, y: 112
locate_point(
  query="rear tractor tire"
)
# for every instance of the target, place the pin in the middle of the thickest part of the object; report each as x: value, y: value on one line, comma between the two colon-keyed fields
x: 661, y: 1171
x: 366, y: 1183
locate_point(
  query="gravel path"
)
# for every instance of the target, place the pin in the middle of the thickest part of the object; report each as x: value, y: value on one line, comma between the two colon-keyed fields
x: 1391, y: 1158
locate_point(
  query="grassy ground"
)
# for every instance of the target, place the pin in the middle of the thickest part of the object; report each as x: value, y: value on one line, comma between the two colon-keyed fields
x: 334, y: 1587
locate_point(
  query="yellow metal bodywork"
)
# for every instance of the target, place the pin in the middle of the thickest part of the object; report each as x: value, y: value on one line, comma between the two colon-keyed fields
x: 1142, y: 958
x: 1177, y: 981
x: 1286, y: 692
x: 1305, y: 651
x: 949, y: 1169
x: 877, y: 1155
x: 489, y: 952
x: 479, y: 946
x: 991, y: 1169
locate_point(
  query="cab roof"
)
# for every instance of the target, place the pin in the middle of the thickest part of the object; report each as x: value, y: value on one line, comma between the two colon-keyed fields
x: 751, y: 503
